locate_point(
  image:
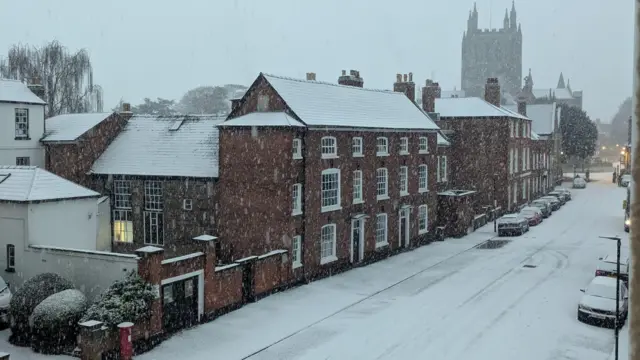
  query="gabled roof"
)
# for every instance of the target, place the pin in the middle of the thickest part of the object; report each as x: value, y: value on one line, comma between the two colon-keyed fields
x: 320, y: 104
x: 471, y: 107
x: 17, y: 92
x: 560, y: 94
x: 541, y: 115
x: 30, y: 183
x: 185, y: 146
x: 69, y: 127
x: 442, y: 140
x: 263, y: 119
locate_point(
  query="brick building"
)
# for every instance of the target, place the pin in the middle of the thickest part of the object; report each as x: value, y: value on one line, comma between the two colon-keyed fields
x: 337, y: 174
x: 490, y: 146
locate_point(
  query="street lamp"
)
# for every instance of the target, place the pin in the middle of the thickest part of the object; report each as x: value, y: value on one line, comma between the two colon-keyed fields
x: 616, y: 327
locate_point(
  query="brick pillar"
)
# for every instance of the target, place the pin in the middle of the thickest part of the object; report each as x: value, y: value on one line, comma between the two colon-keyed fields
x: 150, y: 269
x: 208, y: 247
x: 93, y: 340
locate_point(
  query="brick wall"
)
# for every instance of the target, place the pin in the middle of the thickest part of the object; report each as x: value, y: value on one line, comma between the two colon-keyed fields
x: 272, y: 271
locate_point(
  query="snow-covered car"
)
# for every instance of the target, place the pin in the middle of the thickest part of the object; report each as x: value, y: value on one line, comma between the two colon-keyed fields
x: 566, y: 193
x: 544, y: 206
x: 598, y: 304
x: 579, y: 183
x: 532, y: 214
x: 555, y: 203
x: 5, y: 298
x: 512, y: 224
x: 625, y: 180
x: 560, y: 196
x: 607, y: 267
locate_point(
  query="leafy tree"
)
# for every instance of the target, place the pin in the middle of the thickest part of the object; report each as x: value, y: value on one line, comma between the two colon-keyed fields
x: 64, y: 75
x: 620, y: 123
x: 160, y: 107
x: 579, y: 133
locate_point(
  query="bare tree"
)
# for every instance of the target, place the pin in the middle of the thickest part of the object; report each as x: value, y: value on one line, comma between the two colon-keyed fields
x: 65, y: 76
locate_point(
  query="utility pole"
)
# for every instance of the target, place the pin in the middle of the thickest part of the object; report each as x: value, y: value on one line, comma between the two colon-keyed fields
x: 616, y: 325
x: 634, y: 233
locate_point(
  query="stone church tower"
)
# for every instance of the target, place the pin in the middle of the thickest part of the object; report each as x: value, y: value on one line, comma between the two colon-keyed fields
x: 492, y: 53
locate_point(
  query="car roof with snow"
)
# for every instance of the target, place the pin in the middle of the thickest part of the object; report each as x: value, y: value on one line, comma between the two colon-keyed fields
x: 530, y: 208
x: 604, y: 280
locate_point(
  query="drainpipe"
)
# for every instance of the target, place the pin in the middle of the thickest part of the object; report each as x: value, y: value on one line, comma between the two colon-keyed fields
x: 303, y: 140
x: 634, y: 235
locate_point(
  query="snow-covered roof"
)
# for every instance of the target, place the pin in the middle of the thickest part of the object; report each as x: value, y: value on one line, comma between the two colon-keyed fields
x: 326, y: 104
x: 452, y: 94
x: 17, y: 92
x: 560, y: 94
x: 69, y: 127
x: 184, y: 145
x: 442, y: 141
x: 263, y: 119
x: 534, y: 136
x: 30, y: 183
x: 541, y: 115
x: 472, y: 107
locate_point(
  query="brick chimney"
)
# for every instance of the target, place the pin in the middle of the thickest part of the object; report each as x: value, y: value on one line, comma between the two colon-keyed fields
x: 522, y: 106
x: 430, y: 92
x: 492, y: 92
x: 406, y: 86
x: 311, y: 76
x: 126, y: 113
x: 37, y: 88
x: 353, y: 79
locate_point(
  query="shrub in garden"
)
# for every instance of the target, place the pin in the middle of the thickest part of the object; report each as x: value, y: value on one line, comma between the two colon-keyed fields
x: 125, y: 300
x: 28, y: 296
x: 54, y: 322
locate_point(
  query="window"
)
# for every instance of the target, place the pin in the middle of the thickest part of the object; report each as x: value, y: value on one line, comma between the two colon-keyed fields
x: 524, y: 159
x: 356, y: 146
x: 442, y: 168
x: 153, y: 228
x: 296, y: 251
x: 297, y: 199
x: 357, y: 187
x: 404, y: 180
x: 382, y: 146
x: 381, y: 230
x: 517, y: 129
x: 382, y: 179
x: 297, y: 149
x: 515, y: 162
x: 263, y: 102
x: 515, y: 192
x: 422, y: 178
x: 330, y: 190
x: 510, y: 128
x: 328, y: 244
x: 23, y: 161
x: 423, y: 219
x: 122, y: 215
x: 187, y: 204
x: 524, y: 189
x: 511, y: 161
x: 11, y: 258
x: 329, y: 147
x: 424, y: 145
x: 22, y: 124
x: 153, y: 195
x: 404, y: 146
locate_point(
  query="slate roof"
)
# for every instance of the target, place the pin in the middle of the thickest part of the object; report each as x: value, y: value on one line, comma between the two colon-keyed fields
x: 30, y: 183
x: 17, y: 92
x: 69, y: 127
x: 541, y: 115
x: 320, y: 104
x: 472, y: 107
x: 185, y: 146
x: 263, y: 119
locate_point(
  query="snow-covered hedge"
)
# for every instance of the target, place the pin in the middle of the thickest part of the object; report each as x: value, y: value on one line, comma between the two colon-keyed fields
x: 25, y: 300
x: 54, y: 322
x: 125, y: 300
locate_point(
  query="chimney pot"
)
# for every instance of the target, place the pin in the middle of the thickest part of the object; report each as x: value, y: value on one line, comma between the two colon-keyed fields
x: 126, y: 107
x: 344, y: 72
x: 430, y: 93
x: 411, y: 77
x: 353, y: 73
x: 311, y: 76
x: 492, y: 92
x: 398, y: 78
x: 428, y: 82
x: 405, y: 77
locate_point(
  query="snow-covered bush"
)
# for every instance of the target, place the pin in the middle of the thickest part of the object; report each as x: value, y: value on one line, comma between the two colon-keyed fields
x: 54, y: 322
x: 28, y: 296
x: 125, y: 300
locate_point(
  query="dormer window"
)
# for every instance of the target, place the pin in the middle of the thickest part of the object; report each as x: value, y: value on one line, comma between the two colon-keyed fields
x: 329, y: 147
x: 382, y: 146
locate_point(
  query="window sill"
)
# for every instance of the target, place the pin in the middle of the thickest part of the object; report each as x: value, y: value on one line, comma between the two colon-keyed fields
x: 358, y: 202
x: 22, y: 138
x: 297, y: 157
x: 381, y: 245
x: 423, y: 231
x: 10, y: 270
x: 404, y: 153
x: 296, y: 212
x: 296, y: 265
x: 423, y: 191
x: 382, y: 154
x: 358, y: 155
x: 329, y: 156
x: 404, y: 193
x: 423, y: 152
x: 330, y: 208
x: 328, y: 259
x: 382, y: 197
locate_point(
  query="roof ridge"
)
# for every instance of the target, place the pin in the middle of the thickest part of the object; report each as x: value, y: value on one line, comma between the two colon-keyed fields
x: 12, y: 80
x: 33, y: 180
x: 333, y: 84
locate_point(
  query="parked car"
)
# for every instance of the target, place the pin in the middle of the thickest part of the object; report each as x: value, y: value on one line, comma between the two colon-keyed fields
x: 607, y: 267
x: 544, y: 206
x: 555, y: 202
x: 598, y: 304
x: 560, y: 195
x: 566, y: 193
x: 512, y: 224
x: 625, y: 180
x: 579, y: 183
x: 5, y: 298
x: 532, y: 214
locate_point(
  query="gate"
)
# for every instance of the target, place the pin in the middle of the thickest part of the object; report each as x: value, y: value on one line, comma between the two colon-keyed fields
x: 180, y: 304
x: 247, y: 281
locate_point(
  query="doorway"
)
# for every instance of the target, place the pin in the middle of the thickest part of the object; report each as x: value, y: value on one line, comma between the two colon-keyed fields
x: 403, y: 224
x: 357, y: 239
x: 180, y: 304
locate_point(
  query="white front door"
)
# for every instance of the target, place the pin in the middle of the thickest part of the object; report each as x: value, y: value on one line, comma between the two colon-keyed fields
x: 357, y: 240
x: 403, y: 227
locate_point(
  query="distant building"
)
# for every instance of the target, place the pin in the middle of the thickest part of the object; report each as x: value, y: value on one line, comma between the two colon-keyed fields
x: 562, y: 94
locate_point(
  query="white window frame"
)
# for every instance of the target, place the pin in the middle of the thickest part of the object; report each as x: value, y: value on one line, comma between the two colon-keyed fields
x: 511, y: 161
x: 332, y: 207
x: 422, y: 168
x: 524, y: 189
x: 382, y: 146
x: 403, y: 174
x: 357, y: 146
x: 122, y: 214
x: 382, y: 234
x: 328, y: 238
x: 296, y: 251
x: 23, y: 161
x: 423, y: 219
x: 358, y: 196
x: 442, y: 169
x: 445, y: 164
x: 22, y: 124
x: 329, y: 147
x: 297, y: 149
x: 511, y: 128
x: 423, y: 147
x: 296, y: 195
x: 382, y: 188
x: 404, y: 146
x: 158, y: 218
x: 11, y: 257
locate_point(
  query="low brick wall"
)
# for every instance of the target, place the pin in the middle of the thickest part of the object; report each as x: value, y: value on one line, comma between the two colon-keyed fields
x: 226, y: 290
x: 271, y: 272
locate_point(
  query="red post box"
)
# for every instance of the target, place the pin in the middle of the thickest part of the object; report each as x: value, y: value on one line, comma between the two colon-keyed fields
x: 126, y: 345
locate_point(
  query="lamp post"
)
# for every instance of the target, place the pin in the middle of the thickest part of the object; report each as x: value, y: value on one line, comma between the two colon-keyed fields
x: 495, y: 205
x: 616, y: 327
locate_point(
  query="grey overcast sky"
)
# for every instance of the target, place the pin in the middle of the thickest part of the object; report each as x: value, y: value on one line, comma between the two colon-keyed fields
x: 162, y: 48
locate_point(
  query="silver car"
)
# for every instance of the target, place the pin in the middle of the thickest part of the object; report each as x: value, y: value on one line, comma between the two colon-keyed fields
x: 512, y: 224
x: 598, y: 305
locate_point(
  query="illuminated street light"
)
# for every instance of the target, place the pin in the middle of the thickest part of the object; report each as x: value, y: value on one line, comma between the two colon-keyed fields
x: 604, y: 148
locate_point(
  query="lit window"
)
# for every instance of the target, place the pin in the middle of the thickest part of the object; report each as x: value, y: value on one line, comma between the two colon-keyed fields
x: 122, y: 213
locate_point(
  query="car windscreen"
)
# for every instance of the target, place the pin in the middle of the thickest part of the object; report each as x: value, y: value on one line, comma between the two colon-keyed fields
x: 527, y: 213
x: 601, y: 290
